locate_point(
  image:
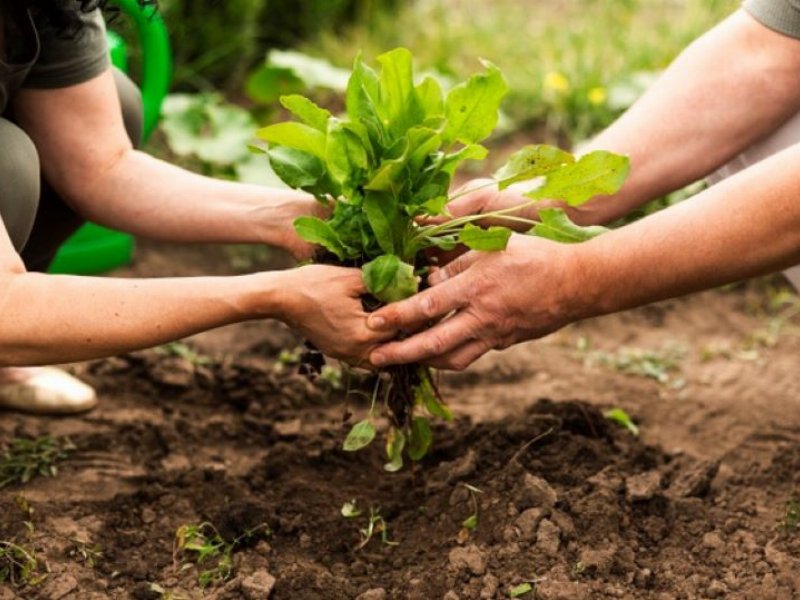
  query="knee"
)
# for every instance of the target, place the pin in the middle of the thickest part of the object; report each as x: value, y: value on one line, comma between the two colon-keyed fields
x: 132, y: 107
x: 19, y: 182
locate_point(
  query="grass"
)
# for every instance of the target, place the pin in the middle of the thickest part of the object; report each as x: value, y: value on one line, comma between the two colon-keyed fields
x: 26, y: 458
x: 573, y: 64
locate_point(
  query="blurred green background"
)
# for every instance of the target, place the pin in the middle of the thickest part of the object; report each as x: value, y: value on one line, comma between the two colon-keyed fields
x: 572, y: 65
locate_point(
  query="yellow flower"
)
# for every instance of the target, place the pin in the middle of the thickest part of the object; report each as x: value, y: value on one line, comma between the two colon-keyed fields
x: 556, y: 81
x: 597, y: 95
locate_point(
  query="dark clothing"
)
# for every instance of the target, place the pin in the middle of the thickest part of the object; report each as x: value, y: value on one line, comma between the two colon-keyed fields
x: 33, y: 55
x: 781, y: 15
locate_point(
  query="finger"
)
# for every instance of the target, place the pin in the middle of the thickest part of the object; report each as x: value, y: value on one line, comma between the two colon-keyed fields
x: 422, y: 307
x: 440, y: 339
x: 462, y: 357
x: 471, y: 202
x: 454, y: 267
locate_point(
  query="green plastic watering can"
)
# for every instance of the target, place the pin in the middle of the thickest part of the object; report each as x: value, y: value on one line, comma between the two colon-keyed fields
x: 95, y: 249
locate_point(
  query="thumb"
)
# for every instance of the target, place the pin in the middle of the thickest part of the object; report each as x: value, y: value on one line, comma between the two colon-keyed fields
x: 473, y: 197
x: 454, y: 267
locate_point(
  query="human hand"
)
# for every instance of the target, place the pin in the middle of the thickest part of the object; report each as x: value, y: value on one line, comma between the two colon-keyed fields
x: 481, y: 196
x: 324, y: 304
x: 490, y: 300
x: 278, y: 218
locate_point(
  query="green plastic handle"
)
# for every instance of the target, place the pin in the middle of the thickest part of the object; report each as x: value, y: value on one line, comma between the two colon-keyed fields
x: 156, y: 59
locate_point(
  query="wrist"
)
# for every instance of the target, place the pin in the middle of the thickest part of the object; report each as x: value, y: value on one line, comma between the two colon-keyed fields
x: 582, y: 291
x: 263, y: 296
x: 277, y: 216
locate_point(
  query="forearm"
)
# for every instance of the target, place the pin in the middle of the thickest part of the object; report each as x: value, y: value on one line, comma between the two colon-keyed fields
x: 151, y: 198
x: 732, y: 86
x: 51, y: 319
x: 745, y: 226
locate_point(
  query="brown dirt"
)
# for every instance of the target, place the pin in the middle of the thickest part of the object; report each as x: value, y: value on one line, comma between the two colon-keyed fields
x: 568, y: 501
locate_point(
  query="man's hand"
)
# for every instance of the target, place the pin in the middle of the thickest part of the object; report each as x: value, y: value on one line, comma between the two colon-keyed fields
x: 488, y: 301
x: 481, y: 196
x: 324, y: 303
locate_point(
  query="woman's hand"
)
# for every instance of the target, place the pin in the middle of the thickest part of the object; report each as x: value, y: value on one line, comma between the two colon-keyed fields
x: 324, y: 304
x: 278, y: 214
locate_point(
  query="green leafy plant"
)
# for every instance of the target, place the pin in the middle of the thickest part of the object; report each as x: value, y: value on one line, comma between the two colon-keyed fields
x: 25, y: 458
x: 384, y: 170
x: 203, y: 546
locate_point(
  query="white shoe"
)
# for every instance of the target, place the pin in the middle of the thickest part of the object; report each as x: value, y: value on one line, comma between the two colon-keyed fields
x: 44, y: 391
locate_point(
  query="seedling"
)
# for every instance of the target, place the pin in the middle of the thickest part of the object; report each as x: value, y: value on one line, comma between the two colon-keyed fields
x: 26, y: 458
x: 790, y: 523
x: 185, y: 352
x: 18, y: 565
x: 384, y: 171
x: 620, y: 417
x: 471, y: 522
x: 88, y: 554
x: 663, y: 365
x: 350, y: 510
x: 201, y: 544
x: 375, y: 524
x: 520, y: 590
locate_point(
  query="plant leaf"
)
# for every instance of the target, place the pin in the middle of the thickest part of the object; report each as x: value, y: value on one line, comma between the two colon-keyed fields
x: 345, y: 155
x: 520, y: 590
x: 431, y: 98
x: 395, y: 442
x: 360, y: 436
x: 317, y: 231
x: 400, y: 106
x: 556, y: 225
x: 471, y: 152
x: 389, y: 279
x: 472, y: 108
x: 308, y: 112
x: 385, y: 221
x: 296, y: 169
x: 295, y: 135
x: 419, y: 439
x: 361, y: 99
x: 486, y: 240
x: 597, y: 173
x: 531, y: 161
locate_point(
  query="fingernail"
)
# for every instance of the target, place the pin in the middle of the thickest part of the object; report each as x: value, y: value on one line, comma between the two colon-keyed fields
x: 376, y: 322
x: 378, y: 359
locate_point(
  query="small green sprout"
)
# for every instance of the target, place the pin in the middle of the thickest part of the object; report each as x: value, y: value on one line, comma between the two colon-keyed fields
x: 471, y: 522
x: 520, y: 590
x: 25, y: 458
x: 19, y: 565
x: 200, y: 543
x: 182, y: 350
x: 89, y: 555
x: 620, y: 417
x: 790, y: 523
x: 375, y: 524
x: 350, y: 510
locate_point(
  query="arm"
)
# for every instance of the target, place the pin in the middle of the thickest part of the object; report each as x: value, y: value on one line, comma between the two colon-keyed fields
x: 745, y: 226
x: 50, y: 319
x: 732, y: 86
x: 88, y: 159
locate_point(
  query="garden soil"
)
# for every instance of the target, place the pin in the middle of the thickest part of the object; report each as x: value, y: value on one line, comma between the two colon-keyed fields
x: 563, y: 501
